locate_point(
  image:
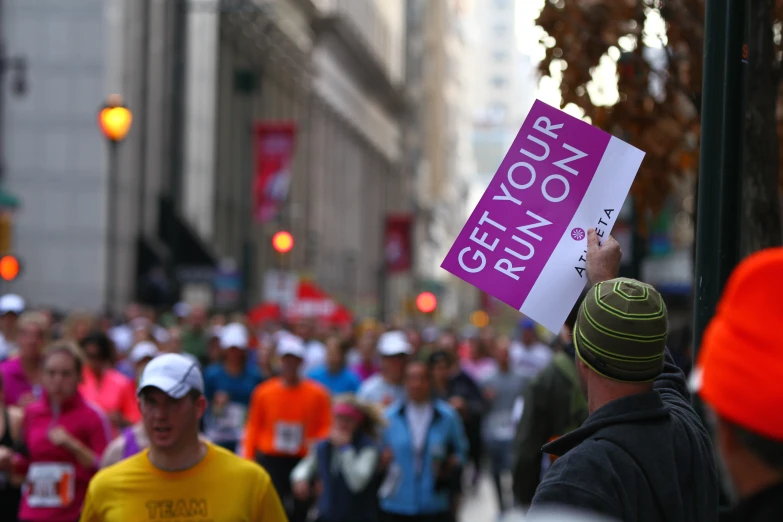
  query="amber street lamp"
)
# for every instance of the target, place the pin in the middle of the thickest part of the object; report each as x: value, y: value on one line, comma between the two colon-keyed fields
x: 114, y: 120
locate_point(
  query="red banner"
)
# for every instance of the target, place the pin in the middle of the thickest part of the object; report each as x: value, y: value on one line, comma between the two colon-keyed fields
x: 274, y: 149
x: 397, y: 243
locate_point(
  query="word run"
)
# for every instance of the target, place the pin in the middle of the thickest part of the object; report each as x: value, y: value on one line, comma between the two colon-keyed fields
x: 600, y: 232
x: 554, y: 188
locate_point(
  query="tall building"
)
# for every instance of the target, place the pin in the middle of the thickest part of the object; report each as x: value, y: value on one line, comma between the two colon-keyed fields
x: 437, y: 139
x: 502, y: 86
x: 198, y: 75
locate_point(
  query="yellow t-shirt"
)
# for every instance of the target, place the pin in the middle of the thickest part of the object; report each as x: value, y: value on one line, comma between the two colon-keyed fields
x: 222, y: 487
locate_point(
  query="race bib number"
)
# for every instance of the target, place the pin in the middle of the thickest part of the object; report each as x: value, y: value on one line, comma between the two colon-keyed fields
x: 288, y: 437
x: 50, y: 485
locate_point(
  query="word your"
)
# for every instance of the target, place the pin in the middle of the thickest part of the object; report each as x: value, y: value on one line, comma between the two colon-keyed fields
x: 519, y: 177
x: 600, y: 232
x: 180, y: 508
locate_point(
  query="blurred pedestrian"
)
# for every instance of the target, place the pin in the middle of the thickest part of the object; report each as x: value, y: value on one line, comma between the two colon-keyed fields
x: 502, y: 391
x: 344, y: 466
x: 643, y: 453
x: 10, y: 438
x: 426, y: 444
x: 228, y: 386
x: 11, y: 307
x: 78, y: 325
x: 335, y: 375
x: 180, y: 475
x: 454, y: 385
x: 387, y: 387
x: 738, y: 375
x: 106, y: 387
x: 529, y: 355
x: 63, y: 436
x: 22, y: 374
x: 196, y: 334
x: 287, y: 415
x: 551, y: 406
x: 134, y: 438
x: 315, y: 350
x: 365, y: 363
x: 479, y: 364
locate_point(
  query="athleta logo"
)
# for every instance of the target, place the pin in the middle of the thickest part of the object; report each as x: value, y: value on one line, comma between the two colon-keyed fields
x: 181, y: 508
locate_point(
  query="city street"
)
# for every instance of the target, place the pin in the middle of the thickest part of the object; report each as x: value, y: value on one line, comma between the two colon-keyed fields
x: 482, y: 506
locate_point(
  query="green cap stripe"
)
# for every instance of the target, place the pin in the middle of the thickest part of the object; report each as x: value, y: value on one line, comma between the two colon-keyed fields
x: 617, y: 357
x: 592, y: 367
x: 620, y: 335
x: 619, y: 290
x: 625, y: 315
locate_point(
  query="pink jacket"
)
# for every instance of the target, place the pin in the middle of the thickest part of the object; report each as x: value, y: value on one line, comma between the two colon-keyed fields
x: 56, y: 482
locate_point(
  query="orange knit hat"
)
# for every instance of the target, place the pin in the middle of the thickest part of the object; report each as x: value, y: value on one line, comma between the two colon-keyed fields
x: 739, y: 372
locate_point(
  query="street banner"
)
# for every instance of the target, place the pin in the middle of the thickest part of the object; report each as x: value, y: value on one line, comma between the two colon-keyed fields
x: 274, y: 151
x: 526, y: 240
x: 397, y: 243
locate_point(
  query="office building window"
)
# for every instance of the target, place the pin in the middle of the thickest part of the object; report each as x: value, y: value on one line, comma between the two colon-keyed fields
x: 500, y: 29
x: 500, y: 56
x: 502, y: 4
x: 498, y: 111
x: 499, y: 81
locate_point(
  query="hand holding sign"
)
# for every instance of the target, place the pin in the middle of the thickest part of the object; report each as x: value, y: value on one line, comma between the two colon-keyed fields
x: 603, y: 261
x: 525, y: 243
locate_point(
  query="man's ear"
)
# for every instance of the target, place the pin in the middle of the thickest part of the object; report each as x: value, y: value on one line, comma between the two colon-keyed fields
x: 201, y: 405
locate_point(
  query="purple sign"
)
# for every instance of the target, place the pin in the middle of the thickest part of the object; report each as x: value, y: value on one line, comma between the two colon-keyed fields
x: 555, y: 182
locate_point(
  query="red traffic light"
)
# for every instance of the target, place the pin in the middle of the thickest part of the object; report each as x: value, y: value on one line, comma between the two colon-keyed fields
x: 283, y: 242
x: 9, y: 268
x: 426, y: 302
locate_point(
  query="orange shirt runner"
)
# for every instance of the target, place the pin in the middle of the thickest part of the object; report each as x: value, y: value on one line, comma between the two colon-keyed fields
x: 284, y: 421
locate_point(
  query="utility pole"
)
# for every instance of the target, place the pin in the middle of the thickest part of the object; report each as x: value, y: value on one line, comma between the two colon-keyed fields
x: 720, y: 172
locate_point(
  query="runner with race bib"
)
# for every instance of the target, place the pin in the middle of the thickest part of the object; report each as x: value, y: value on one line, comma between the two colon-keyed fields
x: 63, y: 437
x: 287, y: 414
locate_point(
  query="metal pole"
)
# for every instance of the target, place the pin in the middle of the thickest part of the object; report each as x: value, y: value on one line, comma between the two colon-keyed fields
x: 719, y: 193
x: 111, y: 219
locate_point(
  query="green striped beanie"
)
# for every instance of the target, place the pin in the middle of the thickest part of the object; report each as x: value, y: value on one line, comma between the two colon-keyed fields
x: 620, y: 331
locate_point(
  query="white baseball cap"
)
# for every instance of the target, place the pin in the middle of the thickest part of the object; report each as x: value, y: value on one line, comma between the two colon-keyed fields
x: 394, y: 343
x: 290, y: 345
x: 234, y: 335
x: 143, y: 350
x: 173, y: 374
x: 11, y: 304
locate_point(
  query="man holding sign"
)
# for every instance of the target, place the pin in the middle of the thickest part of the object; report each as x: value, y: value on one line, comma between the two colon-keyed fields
x: 533, y: 243
x: 643, y: 453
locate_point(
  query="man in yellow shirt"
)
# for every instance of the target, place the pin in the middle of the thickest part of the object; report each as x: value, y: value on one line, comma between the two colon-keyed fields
x: 180, y: 477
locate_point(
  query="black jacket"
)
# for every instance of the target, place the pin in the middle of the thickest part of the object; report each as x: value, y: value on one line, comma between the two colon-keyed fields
x: 645, y: 457
x: 766, y: 506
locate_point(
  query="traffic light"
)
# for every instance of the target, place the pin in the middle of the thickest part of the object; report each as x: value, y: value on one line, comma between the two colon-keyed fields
x: 426, y: 302
x: 9, y: 268
x: 283, y: 242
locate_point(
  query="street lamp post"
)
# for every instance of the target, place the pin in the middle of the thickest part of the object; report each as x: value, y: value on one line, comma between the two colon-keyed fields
x: 114, y: 120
